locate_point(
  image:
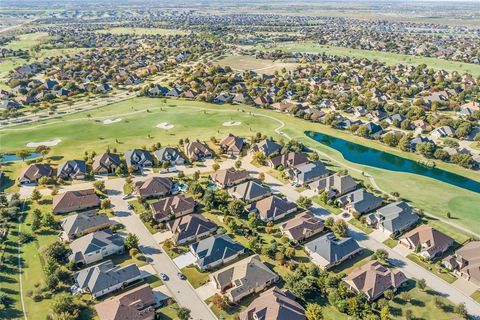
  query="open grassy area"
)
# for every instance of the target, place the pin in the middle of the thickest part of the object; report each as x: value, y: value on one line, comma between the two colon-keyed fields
x: 387, y: 57
x: 196, y: 278
x: 137, y: 128
x: 433, y: 268
x: 168, y: 312
x: 27, y: 41
x: 160, y: 31
x: 243, y: 63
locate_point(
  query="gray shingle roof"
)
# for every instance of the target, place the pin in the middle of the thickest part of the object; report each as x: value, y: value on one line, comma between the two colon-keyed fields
x: 333, y: 249
x: 215, y: 248
x: 396, y: 216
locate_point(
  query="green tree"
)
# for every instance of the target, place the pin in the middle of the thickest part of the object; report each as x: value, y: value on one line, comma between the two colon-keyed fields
x: 314, y: 312
x: 381, y: 254
x: 422, y: 284
x: 215, y: 166
x: 48, y: 221
x: 236, y: 207
x: 385, y: 313
x: 36, y: 195
x: 461, y: 309
x: 304, y: 202
x: 22, y: 154
x: 238, y: 164
x: 36, y: 220
x: 131, y: 241
x: 340, y: 228
x: 183, y: 313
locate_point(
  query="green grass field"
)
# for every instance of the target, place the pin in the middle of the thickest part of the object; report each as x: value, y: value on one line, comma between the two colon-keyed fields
x: 158, y: 31
x: 387, y: 57
x: 80, y: 133
x: 266, y: 66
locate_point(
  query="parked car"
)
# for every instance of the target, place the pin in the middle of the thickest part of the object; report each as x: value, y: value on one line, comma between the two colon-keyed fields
x: 163, y: 276
x: 181, y: 276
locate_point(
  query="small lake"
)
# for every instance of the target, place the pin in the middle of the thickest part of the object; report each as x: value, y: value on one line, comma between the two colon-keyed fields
x: 12, y: 157
x: 357, y: 153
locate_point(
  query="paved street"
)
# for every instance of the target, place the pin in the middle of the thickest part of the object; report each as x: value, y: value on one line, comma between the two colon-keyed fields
x: 182, y: 291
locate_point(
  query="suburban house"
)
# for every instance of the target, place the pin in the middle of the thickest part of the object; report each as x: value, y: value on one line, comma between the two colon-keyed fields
x: 469, y: 108
x: 243, y: 278
x: 374, y: 130
x: 249, y: 191
x: 374, y: 279
x: 171, y: 155
x: 95, y: 246
x: 197, y: 151
x: 75, y: 201
x: 271, y: 208
x: 136, y: 304
x: 274, y: 304
x: 215, y: 250
x: 328, y: 251
x: 105, y: 277
x: 427, y: 241
x: 442, y: 132
x: 393, y: 218
x: 288, y: 160
x: 419, y: 139
x: 80, y: 224
x: 267, y: 147
x: 72, y: 170
x: 465, y: 262
x: 334, y: 186
x: 302, y: 226
x: 308, y: 172
x: 175, y: 206
x: 153, y: 187
x: 229, y: 177
x: 360, y: 201
x: 34, y: 172
x: 106, y: 163
x: 231, y: 145
x: 138, y: 159
x: 190, y: 228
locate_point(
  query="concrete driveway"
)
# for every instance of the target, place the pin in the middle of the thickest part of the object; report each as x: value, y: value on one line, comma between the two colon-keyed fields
x: 161, y: 237
x: 184, y: 260
x: 207, y: 290
x: 379, y: 235
x: 465, y: 286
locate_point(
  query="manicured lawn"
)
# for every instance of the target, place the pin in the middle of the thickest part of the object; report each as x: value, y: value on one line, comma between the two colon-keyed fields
x: 476, y: 296
x: 330, y: 208
x: 192, y: 122
x: 422, y: 304
x: 251, y: 63
x: 168, y: 312
x: 121, y: 30
x: 196, y: 278
x: 154, y: 281
x: 278, y: 175
x: 360, y: 226
x: 356, y: 262
x: 391, y: 243
x: 27, y: 41
x: 230, y: 312
x: 126, y: 259
x: 387, y: 57
x: 433, y: 268
x: 138, y: 208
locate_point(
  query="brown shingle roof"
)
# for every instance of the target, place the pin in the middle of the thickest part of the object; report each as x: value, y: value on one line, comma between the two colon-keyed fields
x: 229, y: 176
x: 302, y: 225
x: 36, y: 171
x: 291, y: 159
x: 231, y: 143
x: 190, y: 225
x: 171, y: 205
x: 135, y: 304
x: 154, y: 186
x: 271, y: 207
x: 75, y: 200
x: 431, y: 240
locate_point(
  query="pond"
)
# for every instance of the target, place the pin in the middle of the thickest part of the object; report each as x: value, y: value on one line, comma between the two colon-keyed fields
x: 357, y: 153
x: 12, y: 157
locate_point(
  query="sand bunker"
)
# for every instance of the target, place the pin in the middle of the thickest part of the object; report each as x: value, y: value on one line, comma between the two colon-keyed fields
x: 231, y: 123
x: 49, y: 143
x: 165, y: 126
x: 109, y: 121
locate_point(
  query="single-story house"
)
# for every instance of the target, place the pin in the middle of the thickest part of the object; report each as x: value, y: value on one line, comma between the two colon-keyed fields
x: 135, y: 304
x: 95, y: 246
x: 441, y: 132
x: 70, y: 201
x: 79, y: 224
x: 215, y: 250
x: 393, y: 218
x: 427, y: 241
x: 106, y: 163
x: 360, y: 201
x: 302, y: 226
x: 334, y: 186
x: 274, y: 304
x: 245, y: 277
x: 271, y: 208
x: 174, y: 206
x: 171, y: 155
x: 249, y: 191
x: 374, y: 279
x: 197, y: 151
x: 229, y: 177
x: 328, y: 251
x: 34, y: 172
x: 72, y: 170
x: 153, y: 187
x: 190, y: 228
x: 105, y: 277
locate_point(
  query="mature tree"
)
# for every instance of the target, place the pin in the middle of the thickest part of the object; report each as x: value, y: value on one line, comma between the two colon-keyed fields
x: 381, y: 254
x: 65, y: 307
x: 5, y: 300
x: 238, y: 164
x: 36, y: 220
x: 183, y: 313
x: 390, y: 139
x: 422, y: 284
x: 385, y: 313
x: 313, y: 312
x: 426, y: 149
x: 48, y: 221
x: 304, y: 202
x: 100, y: 186
x: 340, y: 228
x: 36, y: 195
x: 215, y: 166
x: 461, y: 309
x: 259, y: 157
x: 22, y: 154
x: 236, y: 207
x: 131, y: 241
x: 57, y: 251
x: 329, y: 222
